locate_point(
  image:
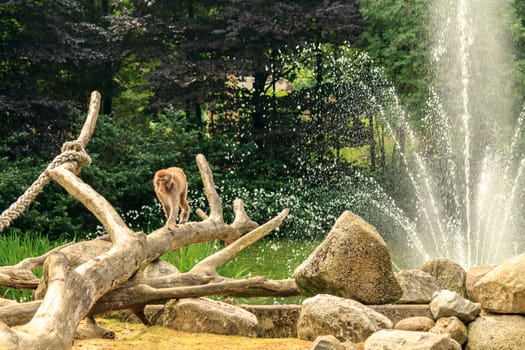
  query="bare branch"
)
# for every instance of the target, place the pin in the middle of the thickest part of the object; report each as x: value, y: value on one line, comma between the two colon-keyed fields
x: 216, y: 213
x: 91, y: 120
x: 224, y: 255
x: 95, y: 203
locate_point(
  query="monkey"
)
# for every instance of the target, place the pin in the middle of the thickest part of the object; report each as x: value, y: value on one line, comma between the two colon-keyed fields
x: 171, y: 188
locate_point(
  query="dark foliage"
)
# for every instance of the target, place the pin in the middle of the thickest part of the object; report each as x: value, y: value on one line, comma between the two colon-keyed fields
x: 52, y: 55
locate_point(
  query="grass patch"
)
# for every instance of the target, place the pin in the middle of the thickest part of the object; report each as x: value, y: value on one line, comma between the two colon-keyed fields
x: 16, y: 246
x: 272, y: 258
x: 186, y: 257
x: 275, y: 259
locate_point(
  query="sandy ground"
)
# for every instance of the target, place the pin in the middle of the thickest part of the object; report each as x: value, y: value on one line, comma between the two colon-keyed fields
x: 138, y: 337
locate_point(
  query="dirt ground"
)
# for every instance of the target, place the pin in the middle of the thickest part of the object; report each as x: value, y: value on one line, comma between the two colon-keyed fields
x: 133, y: 336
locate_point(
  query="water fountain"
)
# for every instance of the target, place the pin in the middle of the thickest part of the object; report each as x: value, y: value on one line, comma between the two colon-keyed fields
x: 467, y: 169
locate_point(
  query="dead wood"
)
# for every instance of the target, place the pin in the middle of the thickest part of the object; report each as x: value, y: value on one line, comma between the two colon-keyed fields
x: 78, y: 282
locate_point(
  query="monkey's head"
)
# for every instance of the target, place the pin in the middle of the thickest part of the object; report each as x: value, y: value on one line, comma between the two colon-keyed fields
x: 163, y: 181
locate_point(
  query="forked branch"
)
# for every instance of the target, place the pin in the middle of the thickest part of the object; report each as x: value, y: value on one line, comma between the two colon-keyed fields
x: 89, y: 277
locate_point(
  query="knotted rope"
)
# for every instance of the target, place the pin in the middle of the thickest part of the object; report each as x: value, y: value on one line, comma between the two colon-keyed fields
x: 72, y: 151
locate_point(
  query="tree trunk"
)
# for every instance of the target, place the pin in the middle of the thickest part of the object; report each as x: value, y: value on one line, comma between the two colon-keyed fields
x: 85, y: 278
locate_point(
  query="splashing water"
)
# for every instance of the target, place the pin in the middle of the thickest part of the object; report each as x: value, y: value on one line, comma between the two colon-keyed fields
x: 468, y: 175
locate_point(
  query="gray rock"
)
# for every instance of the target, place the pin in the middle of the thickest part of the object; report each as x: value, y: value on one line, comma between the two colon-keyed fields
x: 346, y: 319
x: 327, y: 342
x: 491, y: 332
x: 447, y: 303
x: 407, y: 340
x: 449, y: 275
x: 418, y: 286
x: 159, y: 268
x: 206, y: 316
x: 352, y: 262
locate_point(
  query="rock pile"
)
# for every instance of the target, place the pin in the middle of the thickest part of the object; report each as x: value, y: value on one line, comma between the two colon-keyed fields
x: 444, y: 307
x: 479, y: 310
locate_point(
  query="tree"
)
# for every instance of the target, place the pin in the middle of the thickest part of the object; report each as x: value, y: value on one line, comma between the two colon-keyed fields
x: 83, y: 279
x: 517, y: 29
x: 200, y: 46
x: 396, y: 38
x: 52, y: 54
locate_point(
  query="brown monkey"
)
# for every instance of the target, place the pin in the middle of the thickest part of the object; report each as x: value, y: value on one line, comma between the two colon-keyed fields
x: 171, y: 189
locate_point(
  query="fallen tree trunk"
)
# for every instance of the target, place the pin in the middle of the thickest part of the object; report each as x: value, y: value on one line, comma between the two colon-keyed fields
x: 85, y: 278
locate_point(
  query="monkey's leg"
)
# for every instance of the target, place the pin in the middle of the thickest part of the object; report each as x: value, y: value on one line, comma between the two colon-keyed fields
x: 167, y: 211
x: 185, y: 213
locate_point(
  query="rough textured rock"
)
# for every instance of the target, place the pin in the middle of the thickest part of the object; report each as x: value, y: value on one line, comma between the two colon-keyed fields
x: 346, y: 319
x: 275, y: 321
x: 502, y: 290
x: 447, y: 303
x: 449, y: 275
x: 474, y: 274
x: 398, y: 312
x: 407, y: 340
x: 205, y: 315
x: 159, y: 268
x: 417, y: 324
x: 453, y: 326
x: 418, y: 286
x: 489, y: 332
x: 352, y: 262
x: 329, y: 342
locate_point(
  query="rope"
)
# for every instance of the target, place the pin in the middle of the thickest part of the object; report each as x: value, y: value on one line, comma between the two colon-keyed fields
x: 72, y: 151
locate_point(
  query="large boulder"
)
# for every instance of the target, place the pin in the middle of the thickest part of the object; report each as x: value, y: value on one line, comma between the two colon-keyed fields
x: 418, y: 286
x: 502, y: 289
x: 491, y: 332
x: 345, y: 319
x: 391, y: 339
x: 352, y: 262
x: 202, y: 315
x: 449, y: 275
x: 474, y: 274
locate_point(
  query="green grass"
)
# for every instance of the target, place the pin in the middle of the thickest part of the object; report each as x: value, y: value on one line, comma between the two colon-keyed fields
x: 274, y: 259
x: 186, y: 257
x: 14, y: 247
